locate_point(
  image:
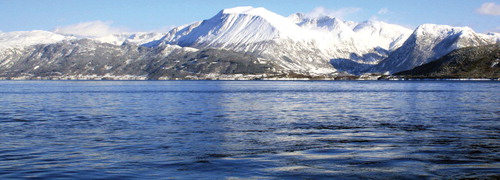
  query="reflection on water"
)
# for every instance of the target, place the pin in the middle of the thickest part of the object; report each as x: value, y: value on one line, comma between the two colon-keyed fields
x: 249, y: 129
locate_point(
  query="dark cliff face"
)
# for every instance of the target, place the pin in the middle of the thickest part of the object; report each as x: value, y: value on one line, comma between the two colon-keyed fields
x: 91, y: 58
x: 472, y: 62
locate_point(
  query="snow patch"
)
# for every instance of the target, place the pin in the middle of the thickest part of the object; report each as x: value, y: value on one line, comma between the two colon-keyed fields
x: 495, y: 63
x: 134, y: 38
x: 22, y: 39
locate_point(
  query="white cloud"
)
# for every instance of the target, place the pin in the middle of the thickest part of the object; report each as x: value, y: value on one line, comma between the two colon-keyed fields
x: 383, y: 11
x: 489, y: 8
x: 90, y: 29
x: 339, y: 13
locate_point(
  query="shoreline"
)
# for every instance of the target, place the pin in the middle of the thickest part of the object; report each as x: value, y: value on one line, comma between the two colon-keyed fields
x: 239, y: 79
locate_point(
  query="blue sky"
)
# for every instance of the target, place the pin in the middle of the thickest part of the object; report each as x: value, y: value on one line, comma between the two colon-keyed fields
x: 160, y: 15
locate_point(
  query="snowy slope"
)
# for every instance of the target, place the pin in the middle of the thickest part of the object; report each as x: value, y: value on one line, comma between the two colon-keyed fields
x: 135, y: 38
x: 258, y: 32
x: 12, y: 44
x: 387, y: 36
x: 296, y: 43
x: 430, y: 42
x: 241, y: 25
x: 352, y: 46
x: 21, y: 39
x: 359, y: 37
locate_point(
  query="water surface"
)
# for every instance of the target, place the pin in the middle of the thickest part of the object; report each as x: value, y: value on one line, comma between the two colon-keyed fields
x: 249, y: 129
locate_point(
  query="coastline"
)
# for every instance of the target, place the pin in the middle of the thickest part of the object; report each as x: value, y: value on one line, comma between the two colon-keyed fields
x: 253, y: 78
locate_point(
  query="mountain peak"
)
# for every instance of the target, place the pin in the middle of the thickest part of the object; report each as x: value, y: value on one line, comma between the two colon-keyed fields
x: 239, y: 9
x: 443, y: 31
x: 422, y: 29
x: 297, y: 17
x: 319, y: 23
x: 248, y: 10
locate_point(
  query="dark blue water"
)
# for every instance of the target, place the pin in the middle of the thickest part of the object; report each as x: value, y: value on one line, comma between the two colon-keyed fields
x: 249, y: 129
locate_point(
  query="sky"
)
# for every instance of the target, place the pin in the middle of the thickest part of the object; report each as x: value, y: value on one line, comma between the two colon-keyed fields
x: 100, y: 17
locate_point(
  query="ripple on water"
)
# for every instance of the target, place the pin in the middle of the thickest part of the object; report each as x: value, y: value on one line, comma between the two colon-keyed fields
x: 254, y: 129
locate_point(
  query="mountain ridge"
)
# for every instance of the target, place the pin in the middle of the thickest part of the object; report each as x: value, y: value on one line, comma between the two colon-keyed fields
x: 87, y: 59
x: 469, y: 62
x: 427, y: 43
x: 297, y: 44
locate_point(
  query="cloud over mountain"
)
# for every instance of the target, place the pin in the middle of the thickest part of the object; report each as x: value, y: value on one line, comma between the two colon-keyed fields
x: 489, y: 8
x: 339, y: 13
x: 383, y: 11
x: 90, y: 29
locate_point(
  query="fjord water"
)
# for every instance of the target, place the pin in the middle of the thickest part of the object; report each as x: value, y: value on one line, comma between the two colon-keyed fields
x: 249, y: 129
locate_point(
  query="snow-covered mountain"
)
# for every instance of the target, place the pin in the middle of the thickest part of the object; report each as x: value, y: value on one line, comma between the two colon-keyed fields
x: 21, y: 39
x: 258, y: 32
x: 430, y: 42
x: 367, y: 34
x: 91, y: 59
x: 271, y: 43
x: 367, y: 43
x: 15, y: 44
x: 296, y: 43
